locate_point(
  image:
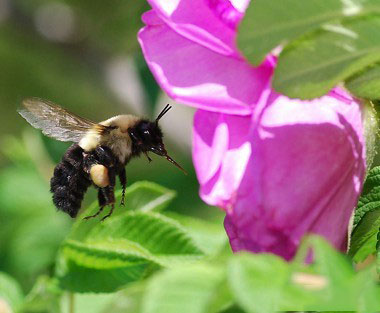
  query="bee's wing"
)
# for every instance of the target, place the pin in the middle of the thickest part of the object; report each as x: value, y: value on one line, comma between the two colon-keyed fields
x: 56, y: 122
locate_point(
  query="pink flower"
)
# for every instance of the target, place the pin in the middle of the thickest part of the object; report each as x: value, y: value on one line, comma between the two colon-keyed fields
x: 280, y: 168
x: 293, y: 167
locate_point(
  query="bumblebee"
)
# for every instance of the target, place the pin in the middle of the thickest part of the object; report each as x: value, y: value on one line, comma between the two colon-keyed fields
x: 99, y: 153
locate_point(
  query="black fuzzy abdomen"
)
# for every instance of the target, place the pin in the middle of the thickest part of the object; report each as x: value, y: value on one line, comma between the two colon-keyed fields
x: 70, y: 182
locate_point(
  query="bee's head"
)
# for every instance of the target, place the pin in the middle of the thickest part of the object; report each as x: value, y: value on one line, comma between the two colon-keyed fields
x: 147, y: 137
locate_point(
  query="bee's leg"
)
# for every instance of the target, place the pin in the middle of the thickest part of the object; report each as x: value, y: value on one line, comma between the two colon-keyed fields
x: 108, y: 192
x: 123, y: 183
x: 112, y: 177
x: 110, y: 199
x: 147, y: 156
x: 102, y: 203
x: 109, y: 214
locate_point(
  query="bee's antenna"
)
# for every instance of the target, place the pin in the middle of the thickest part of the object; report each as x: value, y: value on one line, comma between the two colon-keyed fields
x: 163, y: 112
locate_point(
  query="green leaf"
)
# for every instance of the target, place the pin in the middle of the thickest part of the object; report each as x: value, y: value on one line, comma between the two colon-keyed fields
x: 34, y: 247
x: 313, y: 65
x: 143, y: 196
x: 378, y: 253
x: 44, y: 297
x: 271, y: 23
x: 328, y: 262
x: 266, y: 283
x: 261, y: 283
x: 367, y: 291
x: 191, y: 289
x: 148, y: 196
x: 372, y: 181
x: 123, y: 249
x: 10, y: 293
x: 365, y: 84
x: 345, y: 290
x: 367, y: 218
x: 87, y: 268
x: 127, y: 300
x: 364, y: 236
x: 156, y: 233
x: 209, y: 237
x: 91, y: 302
x: 371, y: 124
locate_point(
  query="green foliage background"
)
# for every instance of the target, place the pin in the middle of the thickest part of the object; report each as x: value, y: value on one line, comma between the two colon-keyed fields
x: 71, y: 73
x: 165, y: 251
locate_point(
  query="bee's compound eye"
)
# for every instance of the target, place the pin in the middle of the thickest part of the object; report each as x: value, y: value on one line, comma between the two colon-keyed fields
x: 147, y: 136
x: 99, y: 175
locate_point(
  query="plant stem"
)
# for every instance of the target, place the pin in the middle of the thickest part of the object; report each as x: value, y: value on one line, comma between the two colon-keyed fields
x: 71, y: 303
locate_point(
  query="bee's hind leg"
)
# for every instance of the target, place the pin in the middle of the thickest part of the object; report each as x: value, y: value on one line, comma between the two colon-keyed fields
x: 123, y: 183
x: 102, y: 203
x: 110, y: 199
x: 110, y: 212
x: 103, y: 174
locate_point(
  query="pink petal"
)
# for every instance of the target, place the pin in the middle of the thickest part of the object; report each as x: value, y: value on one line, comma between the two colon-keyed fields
x: 195, y: 75
x: 202, y: 21
x: 150, y: 18
x: 220, y: 154
x: 304, y: 174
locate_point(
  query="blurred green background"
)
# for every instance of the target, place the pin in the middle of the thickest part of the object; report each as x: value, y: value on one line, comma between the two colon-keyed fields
x: 84, y: 56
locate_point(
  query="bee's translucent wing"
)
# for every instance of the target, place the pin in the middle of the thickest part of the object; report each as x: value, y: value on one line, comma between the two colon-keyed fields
x: 54, y: 121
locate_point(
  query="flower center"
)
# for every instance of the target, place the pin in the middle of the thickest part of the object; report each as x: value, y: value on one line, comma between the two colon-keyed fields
x: 229, y: 11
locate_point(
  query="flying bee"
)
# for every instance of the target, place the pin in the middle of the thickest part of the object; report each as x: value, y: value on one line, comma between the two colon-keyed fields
x: 99, y: 153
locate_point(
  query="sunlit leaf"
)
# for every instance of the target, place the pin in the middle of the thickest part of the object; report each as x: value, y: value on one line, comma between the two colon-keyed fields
x: 312, y: 65
x: 271, y: 23
x: 148, y: 196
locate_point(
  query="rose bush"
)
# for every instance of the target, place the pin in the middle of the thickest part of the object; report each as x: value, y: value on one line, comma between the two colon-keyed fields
x: 279, y: 167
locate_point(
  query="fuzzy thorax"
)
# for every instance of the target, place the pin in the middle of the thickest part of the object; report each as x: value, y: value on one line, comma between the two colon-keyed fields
x: 117, y: 139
